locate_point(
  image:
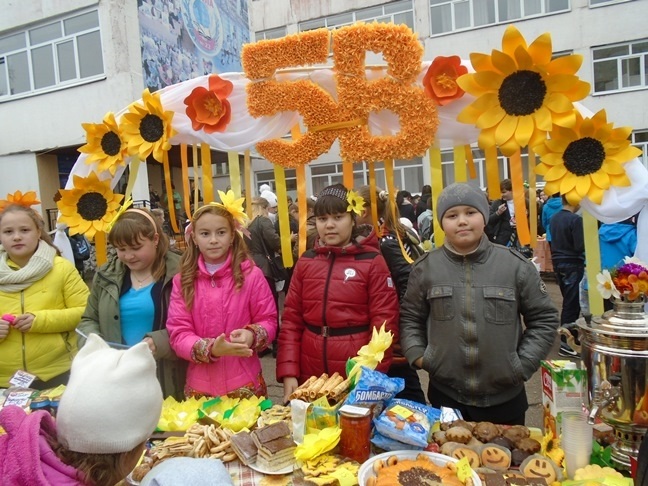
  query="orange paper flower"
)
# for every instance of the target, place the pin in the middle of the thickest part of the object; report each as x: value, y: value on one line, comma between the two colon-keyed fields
x: 208, y: 109
x: 440, y: 81
x: 28, y: 199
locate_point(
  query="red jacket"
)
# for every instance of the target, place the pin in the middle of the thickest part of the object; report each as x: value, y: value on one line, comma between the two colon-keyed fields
x: 341, y: 288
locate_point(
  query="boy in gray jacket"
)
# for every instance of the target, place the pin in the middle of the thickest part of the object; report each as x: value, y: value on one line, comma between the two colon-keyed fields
x: 461, y: 317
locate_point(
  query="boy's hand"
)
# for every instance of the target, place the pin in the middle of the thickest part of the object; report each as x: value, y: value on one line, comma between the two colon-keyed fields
x: 290, y: 385
x: 4, y: 329
x: 224, y: 348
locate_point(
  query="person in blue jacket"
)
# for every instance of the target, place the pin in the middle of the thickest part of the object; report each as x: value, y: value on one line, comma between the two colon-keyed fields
x: 616, y: 241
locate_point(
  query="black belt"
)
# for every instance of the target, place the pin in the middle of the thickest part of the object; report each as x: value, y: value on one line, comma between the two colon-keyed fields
x: 327, y: 331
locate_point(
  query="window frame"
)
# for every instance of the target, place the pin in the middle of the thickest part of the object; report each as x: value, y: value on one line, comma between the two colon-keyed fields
x: 495, y: 4
x: 619, y: 60
x: 55, y: 57
x: 325, y: 22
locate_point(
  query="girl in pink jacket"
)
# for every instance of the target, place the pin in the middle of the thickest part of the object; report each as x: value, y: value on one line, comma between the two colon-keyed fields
x: 222, y: 312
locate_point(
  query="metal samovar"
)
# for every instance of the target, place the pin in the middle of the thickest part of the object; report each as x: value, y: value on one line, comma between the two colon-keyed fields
x: 614, y: 349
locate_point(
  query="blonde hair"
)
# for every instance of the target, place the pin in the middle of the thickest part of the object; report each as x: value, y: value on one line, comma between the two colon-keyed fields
x: 35, y: 217
x: 189, y: 262
x: 259, y: 206
x: 135, y: 225
x: 384, y: 209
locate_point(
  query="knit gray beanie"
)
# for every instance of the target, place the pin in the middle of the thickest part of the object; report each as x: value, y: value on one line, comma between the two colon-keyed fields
x: 461, y: 194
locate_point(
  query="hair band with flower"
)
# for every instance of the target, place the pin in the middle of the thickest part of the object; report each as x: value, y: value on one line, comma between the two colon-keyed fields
x: 128, y: 203
x: 356, y: 202
x: 231, y: 204
x: 19, y: 199
x: 628, y: 281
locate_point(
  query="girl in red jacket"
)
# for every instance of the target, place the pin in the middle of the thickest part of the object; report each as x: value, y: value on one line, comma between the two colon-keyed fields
x: 221, y: 312
x: 339, y: 292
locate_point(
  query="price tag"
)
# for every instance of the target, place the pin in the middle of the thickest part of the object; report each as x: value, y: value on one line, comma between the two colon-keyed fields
x: 22, y: 379
x: 401, y: 411
x: 463, y: 470
x: 18, y: 398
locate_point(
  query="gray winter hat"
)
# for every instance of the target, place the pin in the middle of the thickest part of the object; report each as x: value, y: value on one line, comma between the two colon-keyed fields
x: 461, y: 194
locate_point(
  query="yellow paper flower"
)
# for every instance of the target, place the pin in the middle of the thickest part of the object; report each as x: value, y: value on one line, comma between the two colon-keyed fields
x: 104, y: 144
x: 586, y: 159
x: 28, y: 199
x: 90, y: 206
x: 234, y: 206
x: 147, y: 128
x: 521, y: 92
x: 356, y: 202
x: 372, y: 353
x: 550, y: 447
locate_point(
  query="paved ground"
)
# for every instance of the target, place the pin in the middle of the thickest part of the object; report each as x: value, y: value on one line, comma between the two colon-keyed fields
x: 533, y: 386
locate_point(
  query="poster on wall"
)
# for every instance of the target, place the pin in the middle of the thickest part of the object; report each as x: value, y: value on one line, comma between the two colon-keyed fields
x: 184, y: 39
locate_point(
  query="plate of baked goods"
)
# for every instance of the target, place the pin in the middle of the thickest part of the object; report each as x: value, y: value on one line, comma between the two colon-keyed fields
x: 268, y: 450
x: 411, y: 467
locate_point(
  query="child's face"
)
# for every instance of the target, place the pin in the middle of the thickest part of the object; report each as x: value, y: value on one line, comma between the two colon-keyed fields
x: 19, y: 236
x: 335, y: 229
x: 214, y: 237
x: 139, y: 257
x: 463, y: 227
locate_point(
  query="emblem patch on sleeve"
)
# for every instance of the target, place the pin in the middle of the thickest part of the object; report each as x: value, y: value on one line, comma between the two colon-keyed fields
x: 390, y: 283
x: 543, y: 287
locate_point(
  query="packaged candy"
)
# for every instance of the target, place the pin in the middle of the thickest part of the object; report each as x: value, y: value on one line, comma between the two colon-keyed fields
x: 407, y: 421
x: 388, y: 444
x: 373, y: 390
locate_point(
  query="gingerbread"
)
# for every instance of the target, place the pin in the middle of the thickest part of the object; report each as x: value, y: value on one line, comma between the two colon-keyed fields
x: 485, y: 431
x: 458, y: 434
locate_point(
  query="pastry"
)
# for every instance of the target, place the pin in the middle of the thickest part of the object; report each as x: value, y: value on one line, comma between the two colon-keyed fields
x: 503, y: 442
x: 516, y: 432
x: 458, y: 434
x: 485, y: 431
x: 416, y: 472
x: 517, y: 456
x: 439, y: 437
x: 495, y: 457
x: 528, y: 445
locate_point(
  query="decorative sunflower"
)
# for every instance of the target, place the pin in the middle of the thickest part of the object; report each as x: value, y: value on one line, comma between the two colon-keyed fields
x: 440, y: 81
x: 586, y: 159
x: 356, y: 202
x: 550, y: 447
x: 147, y: 128
x: 90, y: 206
x: 521, y: 92
x: 208, y: 109
x: 28, y: 199
x: 104, y: 144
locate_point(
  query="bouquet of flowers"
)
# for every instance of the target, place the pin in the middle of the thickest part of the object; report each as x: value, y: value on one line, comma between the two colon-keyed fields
x: 628, y: 280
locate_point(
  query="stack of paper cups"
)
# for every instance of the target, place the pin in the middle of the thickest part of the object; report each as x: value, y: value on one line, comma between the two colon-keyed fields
x: 576, y: 441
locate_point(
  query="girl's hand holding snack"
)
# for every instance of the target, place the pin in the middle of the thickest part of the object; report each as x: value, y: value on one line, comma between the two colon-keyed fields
x: 151, y: 344
x: 23, y: 322
x: 4, y: 329
x: 242, y: 336
x: 222, y: 347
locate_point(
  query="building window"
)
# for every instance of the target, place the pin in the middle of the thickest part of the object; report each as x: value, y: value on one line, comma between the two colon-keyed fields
x: 277, y: 33
x: 454, y: 15
x: 621, y: 67
x: 397, y: 12
x: 599, y: 3
x: 640, y: 140
x: 51, y: 55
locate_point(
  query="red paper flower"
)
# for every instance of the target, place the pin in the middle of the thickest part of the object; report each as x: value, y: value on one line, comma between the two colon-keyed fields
x: 208, y: 109
x: 440, y: 81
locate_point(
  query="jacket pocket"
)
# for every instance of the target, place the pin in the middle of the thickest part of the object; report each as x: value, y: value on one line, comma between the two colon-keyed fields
x: 500, y: 306
x: 440, y: 300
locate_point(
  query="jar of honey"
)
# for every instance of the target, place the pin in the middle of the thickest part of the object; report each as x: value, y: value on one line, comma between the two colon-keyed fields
x: 355, y: 437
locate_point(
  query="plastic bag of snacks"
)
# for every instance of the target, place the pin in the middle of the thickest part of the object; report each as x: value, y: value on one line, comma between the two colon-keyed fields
x: 407, y: 421
x: 374, y: 389
x: 388, y: 444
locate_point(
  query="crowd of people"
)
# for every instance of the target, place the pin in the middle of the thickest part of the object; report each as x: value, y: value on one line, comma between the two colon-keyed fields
x: 198, y: 322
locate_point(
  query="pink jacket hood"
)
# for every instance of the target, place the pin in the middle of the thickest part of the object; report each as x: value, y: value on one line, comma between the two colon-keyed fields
x: 25, y: 455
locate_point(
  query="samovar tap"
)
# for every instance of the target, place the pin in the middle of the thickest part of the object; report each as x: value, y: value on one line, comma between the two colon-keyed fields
x: 604, y: 395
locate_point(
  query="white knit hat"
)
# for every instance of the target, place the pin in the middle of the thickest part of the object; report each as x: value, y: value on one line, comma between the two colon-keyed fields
x: 270, y: 197
x: 113, y: 400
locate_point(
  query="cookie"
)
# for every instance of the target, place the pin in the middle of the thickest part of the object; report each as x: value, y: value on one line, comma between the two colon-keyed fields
x: 458, y: 434
x: 485, y: 431
x: 528, y: 445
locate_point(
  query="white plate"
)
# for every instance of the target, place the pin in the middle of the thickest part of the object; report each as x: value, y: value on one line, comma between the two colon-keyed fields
x: 366, y: 470
x: 285, y: 470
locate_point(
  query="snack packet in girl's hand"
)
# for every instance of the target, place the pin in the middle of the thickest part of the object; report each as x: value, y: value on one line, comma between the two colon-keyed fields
x: 407, y: 421
x: 10, y: 318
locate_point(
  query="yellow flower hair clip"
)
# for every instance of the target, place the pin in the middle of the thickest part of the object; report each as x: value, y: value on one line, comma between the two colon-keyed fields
x: 356, y: 202
x: 18, y: 198
x: 128, y: 203
x: 232, y: 205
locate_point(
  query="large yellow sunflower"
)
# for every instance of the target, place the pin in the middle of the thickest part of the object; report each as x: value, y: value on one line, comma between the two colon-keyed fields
x: 585, y: 160
x: 521, y: 92
x: 104, y: 144
x: 90, y: 206
x: 147, y: 128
